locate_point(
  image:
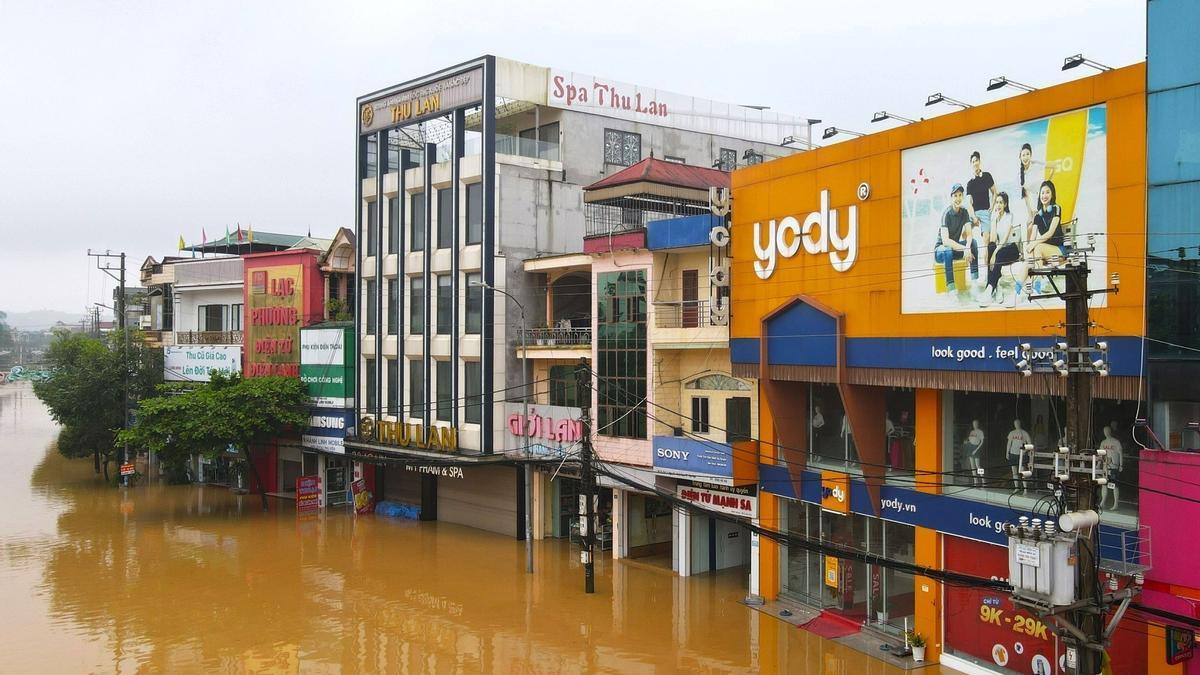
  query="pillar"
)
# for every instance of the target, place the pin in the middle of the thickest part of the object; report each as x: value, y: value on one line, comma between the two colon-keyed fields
x: 620, y: 509
x: 927, y: 607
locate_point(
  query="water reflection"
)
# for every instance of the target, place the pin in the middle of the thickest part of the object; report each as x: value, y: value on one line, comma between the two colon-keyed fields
x: 192, y: 578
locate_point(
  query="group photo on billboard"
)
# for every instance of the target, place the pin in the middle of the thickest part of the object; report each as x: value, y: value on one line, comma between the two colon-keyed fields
x: 979, y: 211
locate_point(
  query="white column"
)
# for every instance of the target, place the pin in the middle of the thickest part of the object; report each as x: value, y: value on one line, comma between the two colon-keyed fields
x: 620, y: 510
x: 683, y: 542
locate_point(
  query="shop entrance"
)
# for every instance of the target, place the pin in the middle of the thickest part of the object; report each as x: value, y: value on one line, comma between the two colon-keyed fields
x: 337, y: 481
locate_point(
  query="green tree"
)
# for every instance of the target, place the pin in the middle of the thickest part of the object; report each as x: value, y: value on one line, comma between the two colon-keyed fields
x: 228, y: 411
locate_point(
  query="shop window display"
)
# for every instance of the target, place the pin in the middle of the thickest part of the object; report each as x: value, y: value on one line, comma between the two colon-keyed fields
x: 831, y: 440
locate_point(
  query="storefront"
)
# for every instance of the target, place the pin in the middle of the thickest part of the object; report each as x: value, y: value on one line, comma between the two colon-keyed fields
x: 881, y: 295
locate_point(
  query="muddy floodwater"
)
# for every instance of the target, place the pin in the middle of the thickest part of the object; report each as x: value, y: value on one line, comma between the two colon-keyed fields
x: 196, y: 579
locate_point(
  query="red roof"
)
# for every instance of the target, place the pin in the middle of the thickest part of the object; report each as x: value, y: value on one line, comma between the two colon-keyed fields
x: 651, y: 170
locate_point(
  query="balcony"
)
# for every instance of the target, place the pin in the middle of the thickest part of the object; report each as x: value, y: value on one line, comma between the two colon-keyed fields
x: 558, y: 342
x: 689, y: 324
x: 208, y: 337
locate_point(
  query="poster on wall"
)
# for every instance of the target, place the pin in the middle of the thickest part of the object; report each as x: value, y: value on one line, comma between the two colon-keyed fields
x: 978, y: 211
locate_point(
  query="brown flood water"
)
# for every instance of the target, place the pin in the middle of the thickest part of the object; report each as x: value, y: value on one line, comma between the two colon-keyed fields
x: 190, y: 579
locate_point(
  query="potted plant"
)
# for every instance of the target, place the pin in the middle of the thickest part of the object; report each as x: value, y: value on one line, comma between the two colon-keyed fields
x: 917, y: 642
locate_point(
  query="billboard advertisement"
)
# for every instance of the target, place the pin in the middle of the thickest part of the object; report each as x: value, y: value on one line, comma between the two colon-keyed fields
x: 550, y: 430
x: 327, y: 366
x: 978, y: 211
x: 194, y: 363
x: 274, y: 312
x: 327, y: 429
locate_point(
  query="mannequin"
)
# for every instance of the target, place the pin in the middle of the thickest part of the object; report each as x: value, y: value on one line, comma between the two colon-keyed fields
x: 893, y: 441
x: 1116, y: 460
x: 818, y: 431
x: 972, y: 448
x: 1017, y: 438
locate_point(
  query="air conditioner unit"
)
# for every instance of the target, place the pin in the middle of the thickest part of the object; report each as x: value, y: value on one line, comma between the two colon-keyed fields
x: 144, y: 322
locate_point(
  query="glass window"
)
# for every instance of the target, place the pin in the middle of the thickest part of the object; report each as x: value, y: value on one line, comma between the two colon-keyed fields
x: 393, y: 387
x: 372, y: 384
x: 372, y: 302
x: 370, y: 228
x: 621, y: 354
x: 211, y: 317
x: 474, y: 304
x: 675, y: 160
x: 830, y: 441
x: 548, y: 141
x: 563, y: 389
x: 445, y: 304
x: 417, y: 221
x: 393, y: 225
x: 416, y: 388
x: 416, y: 305
x: 393, y: 317
x: 622, y: 147
x: 753, y: 158
x: 473, y: 384
x: 235, y: 316
x: 900, y: 428
x: 700, y: 414
x: 370, y: 156
x: 445, y: 394
x: 474, y: 213
x: 445, y: 218
x: 728, y: 159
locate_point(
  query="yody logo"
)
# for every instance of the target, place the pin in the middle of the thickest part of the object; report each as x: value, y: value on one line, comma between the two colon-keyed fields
x: 844, y: 248
x: 836, y: 492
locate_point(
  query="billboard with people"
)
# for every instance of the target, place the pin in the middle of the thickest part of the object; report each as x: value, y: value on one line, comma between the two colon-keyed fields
x: 980, y: 211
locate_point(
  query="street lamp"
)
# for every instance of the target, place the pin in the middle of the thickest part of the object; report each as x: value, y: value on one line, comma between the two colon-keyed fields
x: 524, y: 426
x: 1079, y: 60
x: 830, y: 132
x: 939, y: 97
x: 883, y: 115
x: 1002, y: 81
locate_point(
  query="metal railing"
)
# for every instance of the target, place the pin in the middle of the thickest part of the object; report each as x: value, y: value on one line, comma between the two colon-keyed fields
x: 558, y: 337
x: 604, y: 219
x: 683, y: 314
x: 208, y: 337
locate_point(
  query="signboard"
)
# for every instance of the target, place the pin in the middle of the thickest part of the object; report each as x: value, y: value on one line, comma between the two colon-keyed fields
x: 193, y: 363
x: 128, y: 469
x: 327, y: 366
x: 739, y: 501
x: 308, y: 493
x: 327, y: 429
x: 550, y: 430
x: 683, y: 457
x: 832, y: 571
x: 439, y: 471
x: 1046, y: 172
x: 421, y: 102
x: 275, y: 312
x: 835, y: 492
x: 1181, y: 644
x: 362, y: 498
x: 620, y: 100
x: 403, y: 434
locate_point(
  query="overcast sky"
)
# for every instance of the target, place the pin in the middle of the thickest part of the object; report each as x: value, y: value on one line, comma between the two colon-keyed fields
x: 128, y: 124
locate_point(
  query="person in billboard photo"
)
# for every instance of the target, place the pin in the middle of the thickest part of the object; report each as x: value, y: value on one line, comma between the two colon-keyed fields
x: 1009, y: 251
x: 1026, y: 176
x: 955, y: 240
x: 1046, y: 235
x: 981, y: 191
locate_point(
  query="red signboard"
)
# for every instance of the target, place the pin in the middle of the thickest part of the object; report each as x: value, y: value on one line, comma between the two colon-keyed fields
x: 308, y: 493
x: 362, y: 497
x: 128, y: 469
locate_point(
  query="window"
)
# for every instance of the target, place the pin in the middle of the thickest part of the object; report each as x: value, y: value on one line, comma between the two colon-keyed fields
x: 445, y: 394
x: 700, y: 414
x: 474, y: 304
x: 393, y: 387
x: 393, y: 308
x: 393, y: 225
x: 621, y: 354
x: 474, y: 213
x: 235, y: 316
x: 564, y: 389
x: 416, y: 388
x: 622, y: 147
x: 473, y: 384
x: 753, y: 158
x: 416, y: 305
x: 417, y: 222
x: 372, y: 304
x: 211, y: 317
x: 737, y: 419
x: 445, y: 218
x: 392, y: 161
x: 372, y: 384
x: 370, y: 156
x: 717, y: 382
x: 445, y: 304
x: 728, y: 159
x: 370, y: 226
x: 830, y: 440
x: 540, y: 143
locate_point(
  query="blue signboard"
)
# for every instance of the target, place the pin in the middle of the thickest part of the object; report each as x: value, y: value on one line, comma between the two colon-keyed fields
x: 327, y: 429
x: 690, y: 458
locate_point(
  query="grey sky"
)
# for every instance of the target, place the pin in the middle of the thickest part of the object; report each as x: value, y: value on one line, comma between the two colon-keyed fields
x: 128, y: 124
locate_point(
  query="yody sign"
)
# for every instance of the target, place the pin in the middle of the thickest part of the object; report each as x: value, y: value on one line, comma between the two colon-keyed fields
x: 819, y: 234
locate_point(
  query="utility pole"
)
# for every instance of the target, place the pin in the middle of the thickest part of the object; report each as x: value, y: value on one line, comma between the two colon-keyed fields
x: 102, y: 264
x: 587, y: 530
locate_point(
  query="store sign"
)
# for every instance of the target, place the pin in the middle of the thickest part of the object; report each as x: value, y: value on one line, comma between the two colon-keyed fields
x: 739, y: 501
x: 439, y: 471
x: 275, y: 313
x: 308, y: 493
x: 832, y: 571
x: 1181, y: 644
x: 362, y: 497
x: 620, y: 100
x: 835, y: 492
x: 819, y: 234
x: 327, y: 429
x: 327, y: 366
x: 422, y: 102
x: 549, y: 430
x: 194, y: 363
x: 406, y: 435
x: 691, y: 458
x: 128, y: 469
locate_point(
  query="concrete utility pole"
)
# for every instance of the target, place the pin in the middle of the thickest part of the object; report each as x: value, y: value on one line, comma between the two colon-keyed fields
x: 588, y: 529
x: 106, y: 267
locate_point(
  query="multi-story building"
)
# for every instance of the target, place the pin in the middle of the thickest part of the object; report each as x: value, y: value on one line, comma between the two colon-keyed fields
x: 462, y: 175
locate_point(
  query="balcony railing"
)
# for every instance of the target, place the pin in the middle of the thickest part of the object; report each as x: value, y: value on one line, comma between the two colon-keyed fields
x: 208, y: 337
x: 558, y: 336
x: 684, y: 314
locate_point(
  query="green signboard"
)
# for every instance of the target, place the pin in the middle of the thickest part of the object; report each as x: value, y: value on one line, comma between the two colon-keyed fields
x: 327, y: 365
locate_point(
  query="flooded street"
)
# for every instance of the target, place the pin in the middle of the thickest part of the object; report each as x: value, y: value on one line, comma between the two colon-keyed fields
x: 190, y: 578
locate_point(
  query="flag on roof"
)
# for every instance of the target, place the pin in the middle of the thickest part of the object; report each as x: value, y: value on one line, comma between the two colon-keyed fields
x: 203, y: 237
x: 250, y: 233
x: 226, y: 234
x: 181, y: 244
x: 239, y: 232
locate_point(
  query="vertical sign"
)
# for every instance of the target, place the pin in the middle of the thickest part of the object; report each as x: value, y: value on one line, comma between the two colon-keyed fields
x: 275, y: 308
x: 308, y: 493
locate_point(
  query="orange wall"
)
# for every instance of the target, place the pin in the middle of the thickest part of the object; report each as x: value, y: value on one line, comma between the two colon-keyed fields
x: 869, y: 293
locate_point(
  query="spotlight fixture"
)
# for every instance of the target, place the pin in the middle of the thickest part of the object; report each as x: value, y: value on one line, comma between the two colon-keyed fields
x: 789, y: 140
x: 883, y: 115
x: 830, y: 132
x: 1002, y: 81
x: 939, y: 97
x: 1078, y: 60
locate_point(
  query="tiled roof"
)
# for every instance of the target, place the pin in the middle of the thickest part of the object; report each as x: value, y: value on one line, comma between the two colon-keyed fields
x: 652, y: 170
